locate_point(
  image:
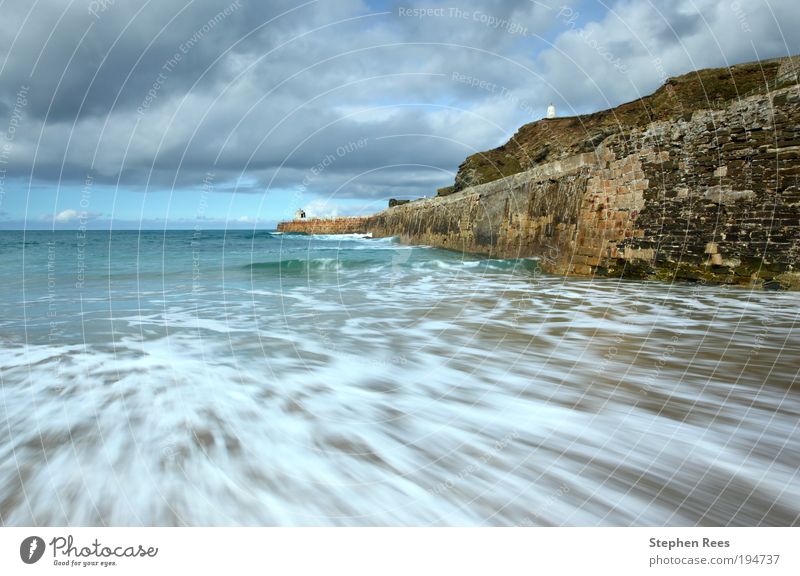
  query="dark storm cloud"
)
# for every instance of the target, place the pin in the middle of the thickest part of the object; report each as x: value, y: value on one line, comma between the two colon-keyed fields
x: 678, y: 25
x: 157, y: 94
x: 81, y: 58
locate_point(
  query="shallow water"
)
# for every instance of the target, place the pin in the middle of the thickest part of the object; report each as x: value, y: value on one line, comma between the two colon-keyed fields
x: 234, y: 378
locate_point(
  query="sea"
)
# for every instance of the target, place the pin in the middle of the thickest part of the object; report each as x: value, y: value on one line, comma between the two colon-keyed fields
x: 240, y: 377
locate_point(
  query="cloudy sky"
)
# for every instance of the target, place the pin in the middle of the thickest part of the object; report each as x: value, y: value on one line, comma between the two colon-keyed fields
x: 153, y: 114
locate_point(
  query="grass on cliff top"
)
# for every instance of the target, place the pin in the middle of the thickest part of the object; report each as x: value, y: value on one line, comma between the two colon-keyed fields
x: 548, y: 140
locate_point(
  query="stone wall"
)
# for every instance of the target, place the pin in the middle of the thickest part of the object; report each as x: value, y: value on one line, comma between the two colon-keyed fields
x: 341, y: 225
x: 713, y: 196
x: 534, y: 213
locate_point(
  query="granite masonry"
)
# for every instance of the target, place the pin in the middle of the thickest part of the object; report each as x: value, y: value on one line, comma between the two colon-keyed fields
x: 712, y: 195
x: 341, y: 225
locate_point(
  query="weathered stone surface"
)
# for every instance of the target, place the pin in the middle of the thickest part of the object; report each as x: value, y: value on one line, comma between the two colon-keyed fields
x: 343, y: 225
x: 726, y: 195
x: 712, y: 196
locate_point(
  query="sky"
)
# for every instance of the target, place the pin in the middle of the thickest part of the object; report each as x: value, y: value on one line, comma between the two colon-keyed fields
x: 233, y: 114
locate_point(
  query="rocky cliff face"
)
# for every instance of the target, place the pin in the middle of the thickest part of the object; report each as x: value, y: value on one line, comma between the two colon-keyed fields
x: 709, y: 194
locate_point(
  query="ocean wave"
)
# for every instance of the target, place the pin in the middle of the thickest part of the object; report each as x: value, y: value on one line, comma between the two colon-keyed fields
x: 514, y: 266
x: 332, y: 421
x: 333, y: 237
x: 386, y: 384
x: 262, y: 235
x: 303, y: 266
x: 401, y: 261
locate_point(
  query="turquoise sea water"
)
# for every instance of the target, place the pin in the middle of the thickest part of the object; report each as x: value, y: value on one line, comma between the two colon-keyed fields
x: 240, y: 377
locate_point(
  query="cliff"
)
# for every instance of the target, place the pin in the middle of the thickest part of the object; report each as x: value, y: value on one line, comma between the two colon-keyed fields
x: 710, y: 193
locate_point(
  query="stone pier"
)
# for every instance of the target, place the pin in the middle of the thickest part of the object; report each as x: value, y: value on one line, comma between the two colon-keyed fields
x: 339, y: 225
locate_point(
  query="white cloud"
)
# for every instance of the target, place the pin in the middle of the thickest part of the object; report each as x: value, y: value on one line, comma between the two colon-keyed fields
x: 70, y: 215
x: 67, y: 215
x: 627, y: 52
x: 321, y: 209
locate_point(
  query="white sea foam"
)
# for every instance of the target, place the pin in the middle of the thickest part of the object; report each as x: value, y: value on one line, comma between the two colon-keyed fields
x: 409, y: 391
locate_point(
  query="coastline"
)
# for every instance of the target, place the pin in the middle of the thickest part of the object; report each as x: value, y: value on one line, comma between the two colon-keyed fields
x: 709, y: 196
